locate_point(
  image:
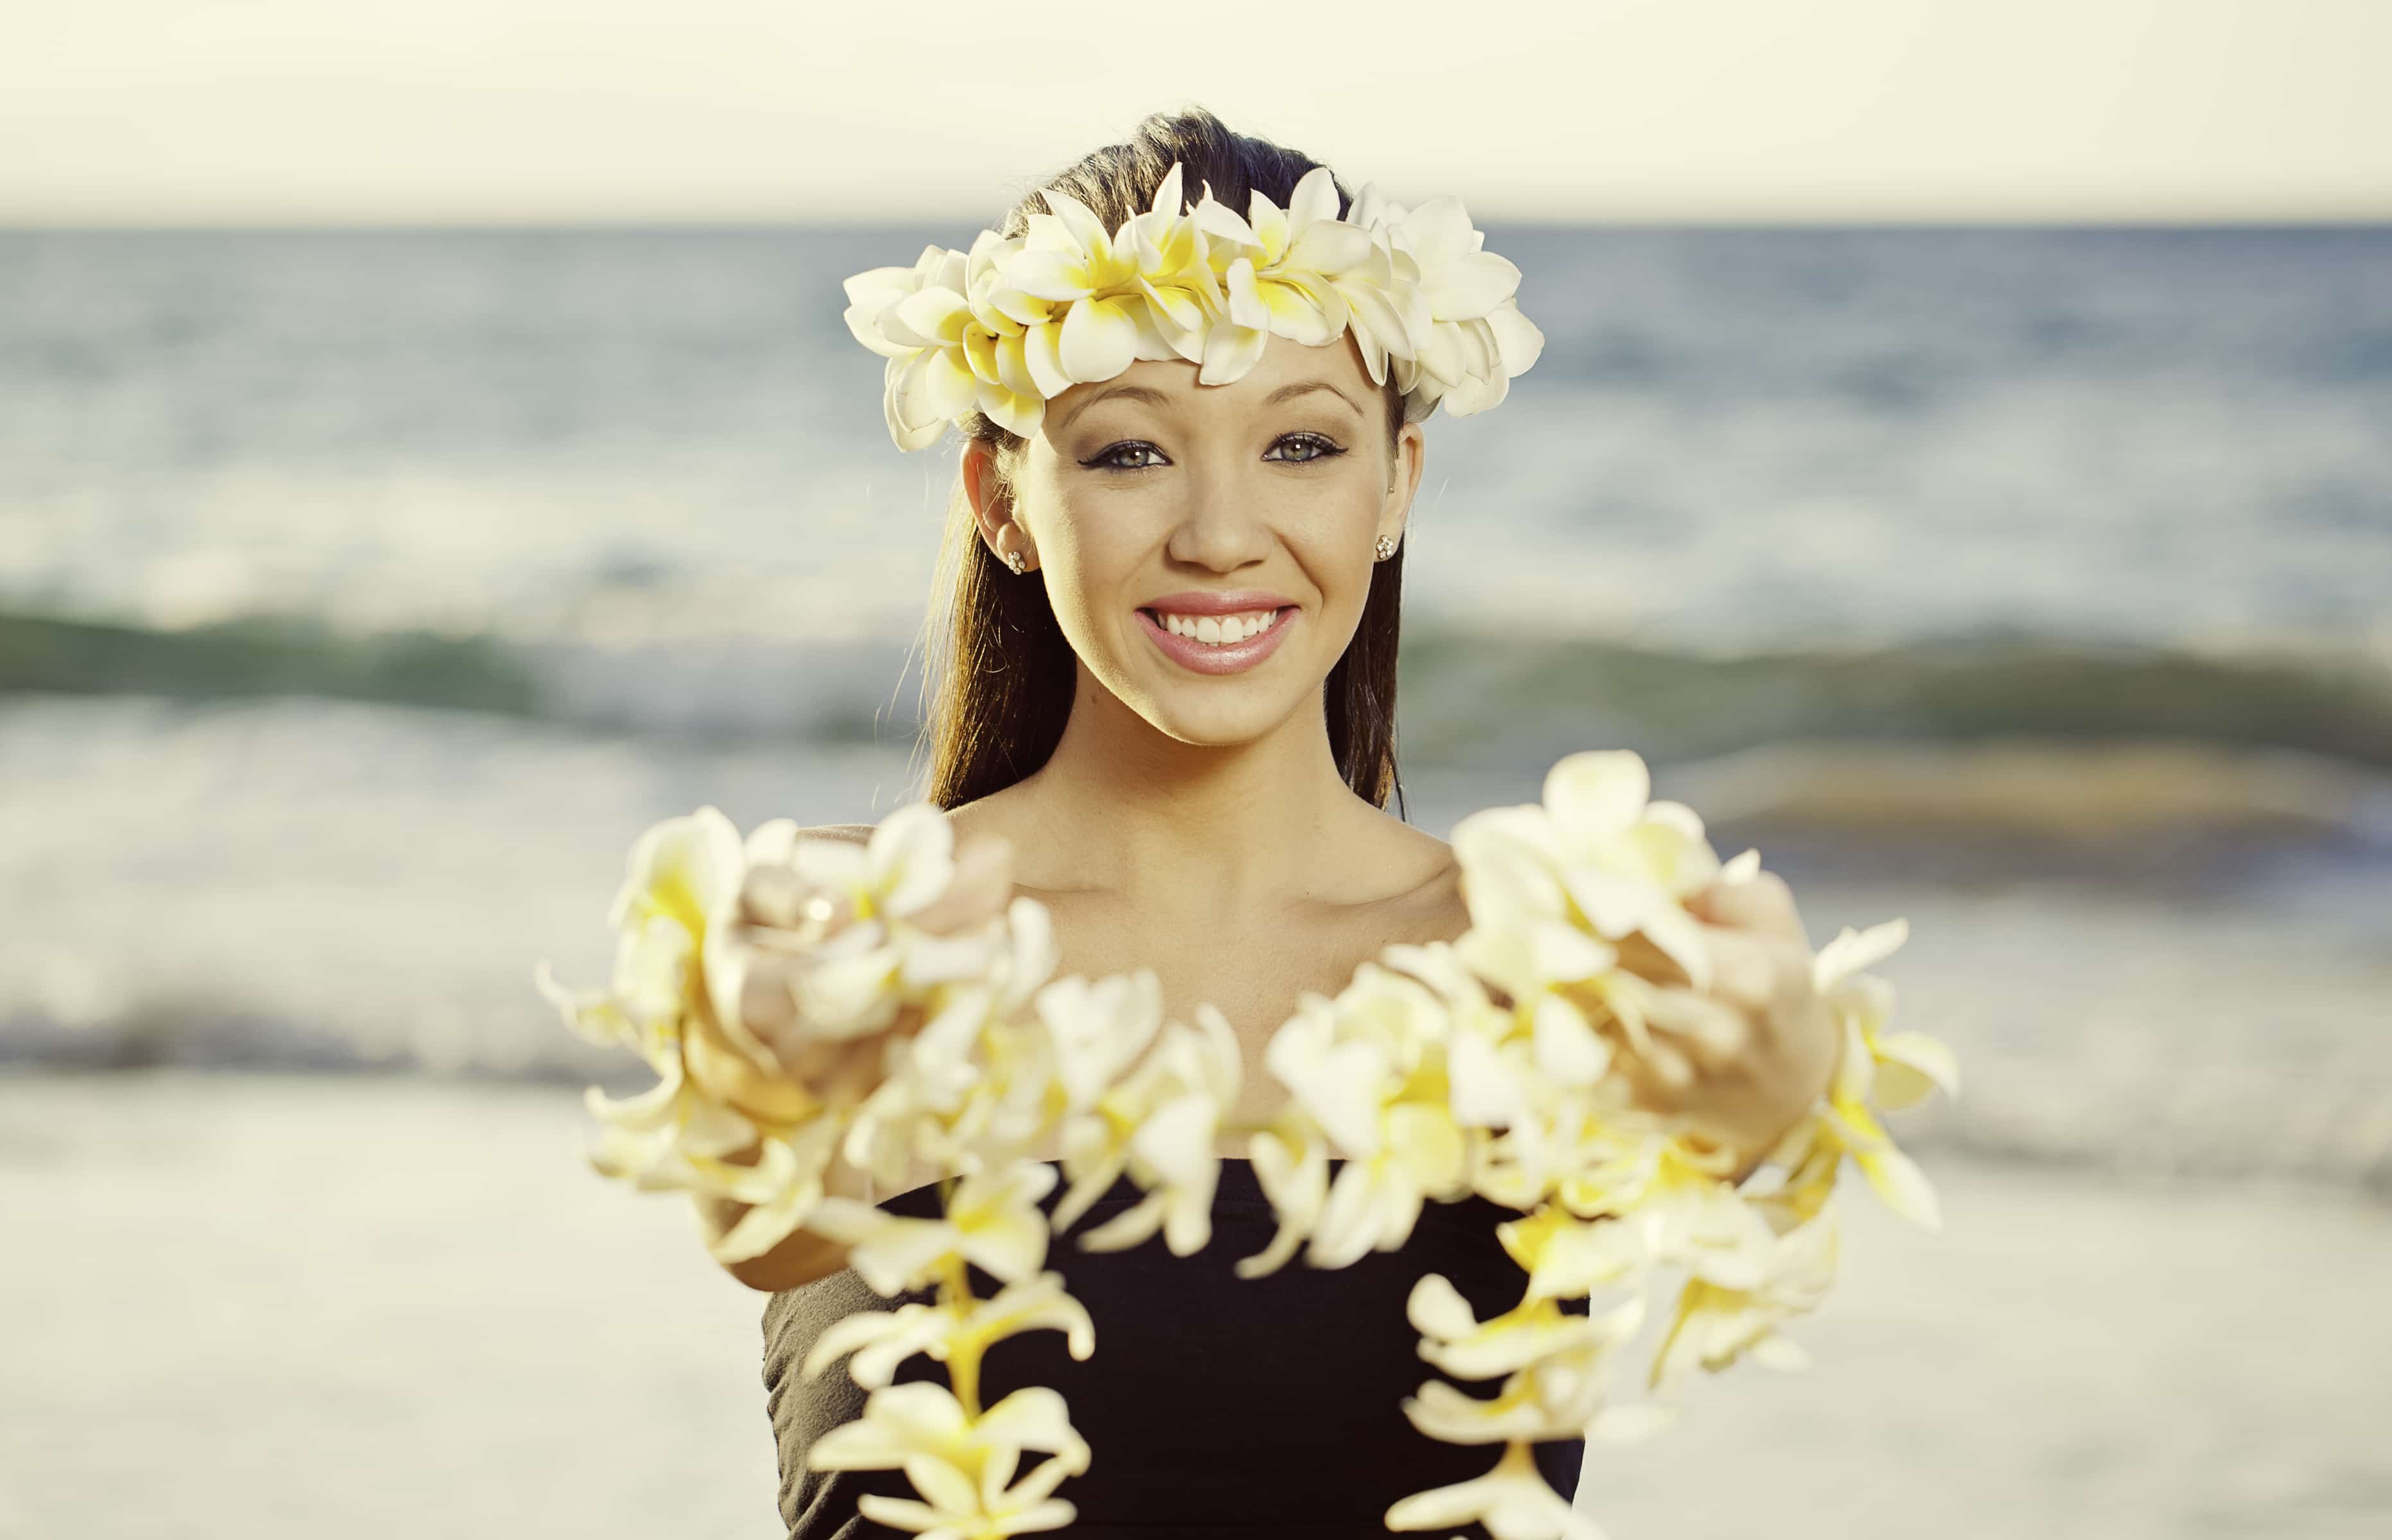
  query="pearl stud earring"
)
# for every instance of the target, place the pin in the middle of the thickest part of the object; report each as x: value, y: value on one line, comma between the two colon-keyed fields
x: 1013, y: 558
x: 1386, y: 547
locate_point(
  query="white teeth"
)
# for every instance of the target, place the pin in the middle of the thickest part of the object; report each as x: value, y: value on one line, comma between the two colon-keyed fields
x: 1219, y: 630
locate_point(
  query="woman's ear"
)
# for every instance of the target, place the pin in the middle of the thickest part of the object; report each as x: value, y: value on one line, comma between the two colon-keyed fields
x: 1409, y: 459
x: 992, y: 500
x: 985, y: 487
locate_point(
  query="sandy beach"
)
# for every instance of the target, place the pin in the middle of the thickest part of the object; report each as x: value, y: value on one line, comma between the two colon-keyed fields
x: 267, y: 1306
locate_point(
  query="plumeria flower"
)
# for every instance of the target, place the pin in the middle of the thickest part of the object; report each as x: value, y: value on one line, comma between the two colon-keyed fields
x: 963, y: 1465
x: 649, y: 1139
x: 1457, y: 1341
x: 1896, y: 1070
x: 1487, y: 1060
x: 1175, y: 275
x: 1010, y: 1109
x: 682, y: 877
x: 843, y: 936
x: 1512, y: 1500
x: 1715, y: 1326
x: 1099, y: 1027
x: 1567, y: 1257
x: 938, y: 1094
x: 1093, y: 277
x: 961, y: 1509
x: 1668, y: 1201
x: 1172, y: 1153
x: 1557, y: 1395
x: 993, y: 1222
x: 788, y: 1183
x: 641, y: 1009
x: 1478, y: 339
x: 902, y: 869
x: 881, y: 1340
x: 915, y: 317
x: 1596, y: 854
x: 1904, y: 1066
x: 1280, y: 272
x: 1095, y: 1030
x: 1387, y: 314
x: 1013, y: 350
x: 1552, y: 1359
x: 1368, y: 1068
x: 681, y: 881
x: 1290, y: 1165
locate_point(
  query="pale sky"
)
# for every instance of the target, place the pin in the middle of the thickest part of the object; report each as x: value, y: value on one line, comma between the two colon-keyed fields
x: 198, y: 111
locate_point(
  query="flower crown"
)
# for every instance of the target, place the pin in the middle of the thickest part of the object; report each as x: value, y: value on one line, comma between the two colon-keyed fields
x: 1019, y: 320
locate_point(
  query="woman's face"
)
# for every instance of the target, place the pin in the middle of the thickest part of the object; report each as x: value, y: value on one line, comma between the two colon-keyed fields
x: 1151, y: 501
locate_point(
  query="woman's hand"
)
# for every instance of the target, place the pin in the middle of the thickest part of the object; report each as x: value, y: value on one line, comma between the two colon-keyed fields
x: 1744, y: 1060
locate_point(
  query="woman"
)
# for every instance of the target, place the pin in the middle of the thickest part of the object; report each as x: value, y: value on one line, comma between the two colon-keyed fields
x: 1214, y: 811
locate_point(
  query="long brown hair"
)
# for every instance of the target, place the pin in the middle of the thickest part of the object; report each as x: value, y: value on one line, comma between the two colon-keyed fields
x: 999, y: 674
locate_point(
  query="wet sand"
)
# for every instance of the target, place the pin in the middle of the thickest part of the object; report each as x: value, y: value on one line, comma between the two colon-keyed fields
x: 284, y: 1305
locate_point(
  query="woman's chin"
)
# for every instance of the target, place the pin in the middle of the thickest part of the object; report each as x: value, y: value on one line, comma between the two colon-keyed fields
x: 1220, y: 713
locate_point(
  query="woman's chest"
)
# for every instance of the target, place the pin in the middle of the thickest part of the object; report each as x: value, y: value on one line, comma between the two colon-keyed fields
x: 1254, y: 973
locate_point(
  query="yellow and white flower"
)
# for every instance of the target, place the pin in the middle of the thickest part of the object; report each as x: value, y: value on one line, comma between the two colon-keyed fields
x: 1892, y: 1071
x: 1513, y: 1501
x: 787, y: 1186
x: 962, y: 1464
x: 1369, y: 1069
x: 683, y: 878
x: 881, y: 1340
x: 1596, y: 857
x: 649, y: 1140
x: 1716, y: 1325
x: 1469, y: 337
x: 992, y: 1222
x: 1290, y: 1165
x: 1670, y: 1202
x: 1280, y: 269
x: 1172, y: 1153
x: 915, y: 317
x: 1095, y: 1032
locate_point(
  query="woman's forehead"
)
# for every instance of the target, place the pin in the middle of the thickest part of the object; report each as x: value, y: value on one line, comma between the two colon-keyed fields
x: 1171, y: 383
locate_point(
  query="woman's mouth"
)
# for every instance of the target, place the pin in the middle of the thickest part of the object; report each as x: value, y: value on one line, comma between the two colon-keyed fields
x: 1218, y: 644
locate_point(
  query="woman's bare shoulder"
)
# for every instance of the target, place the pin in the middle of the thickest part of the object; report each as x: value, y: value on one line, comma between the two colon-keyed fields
x: 854, y: 834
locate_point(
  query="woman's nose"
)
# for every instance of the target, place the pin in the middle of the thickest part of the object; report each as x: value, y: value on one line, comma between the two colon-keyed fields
x: 1222, y: 523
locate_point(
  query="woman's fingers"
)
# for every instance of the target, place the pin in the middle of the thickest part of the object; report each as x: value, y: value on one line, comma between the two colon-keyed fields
x: 1746, y: 965
x: 1762, y: 902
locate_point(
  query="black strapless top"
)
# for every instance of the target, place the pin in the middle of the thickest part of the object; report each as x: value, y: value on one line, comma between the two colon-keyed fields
x: 1212, y: 1401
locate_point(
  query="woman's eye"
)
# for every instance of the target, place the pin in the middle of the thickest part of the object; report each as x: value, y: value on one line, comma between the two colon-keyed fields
x: 1306, y: 447
x: 1106, y: 459
x: 1315, y: 446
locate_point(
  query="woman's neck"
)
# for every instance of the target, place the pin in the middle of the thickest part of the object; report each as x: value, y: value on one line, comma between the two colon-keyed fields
x: 1187, y: 830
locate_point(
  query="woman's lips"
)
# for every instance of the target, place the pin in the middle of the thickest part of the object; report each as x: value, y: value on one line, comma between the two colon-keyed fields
x: 1229, y: 657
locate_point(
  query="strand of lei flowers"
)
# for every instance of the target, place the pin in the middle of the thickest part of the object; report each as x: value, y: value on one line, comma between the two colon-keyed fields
x: 820, y: 1014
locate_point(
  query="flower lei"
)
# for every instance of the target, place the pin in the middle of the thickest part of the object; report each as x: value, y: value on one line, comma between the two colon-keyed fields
x: 818, y: 1013
x: 1018, y: 320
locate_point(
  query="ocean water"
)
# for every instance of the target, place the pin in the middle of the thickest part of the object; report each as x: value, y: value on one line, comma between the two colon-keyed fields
x: 364, y: 593
x: 1732, y: 439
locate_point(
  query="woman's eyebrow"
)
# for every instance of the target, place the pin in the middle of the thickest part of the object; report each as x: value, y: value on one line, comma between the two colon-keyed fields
x: 1288, y: 392
x: 1156, y: 398
x: 1128, y: 393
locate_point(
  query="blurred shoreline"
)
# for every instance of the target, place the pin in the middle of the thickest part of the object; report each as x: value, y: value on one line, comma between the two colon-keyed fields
x: 2149, y: 958
x: 1462, y: 691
